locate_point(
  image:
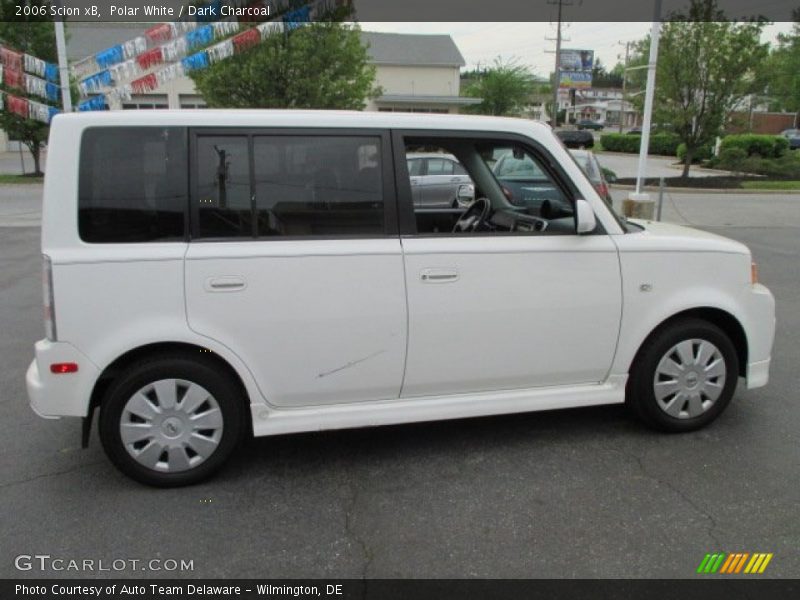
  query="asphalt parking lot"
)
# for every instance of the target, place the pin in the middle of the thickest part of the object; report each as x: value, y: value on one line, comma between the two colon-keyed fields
x: 578, y: 493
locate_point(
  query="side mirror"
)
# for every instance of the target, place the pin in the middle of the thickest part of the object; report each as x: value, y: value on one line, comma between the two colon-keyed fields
x: 586, y: 220
x: 465, y: 195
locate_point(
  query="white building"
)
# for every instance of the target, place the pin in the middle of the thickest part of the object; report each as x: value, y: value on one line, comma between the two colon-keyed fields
x: 418, y: 73
x: 604, y: 105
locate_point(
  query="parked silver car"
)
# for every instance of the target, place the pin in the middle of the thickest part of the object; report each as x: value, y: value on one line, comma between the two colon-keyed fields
x: 436, y: 179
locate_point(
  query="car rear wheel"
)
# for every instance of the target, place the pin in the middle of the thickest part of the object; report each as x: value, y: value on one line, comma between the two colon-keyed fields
x: 171, y: 422
x: 684, y: 376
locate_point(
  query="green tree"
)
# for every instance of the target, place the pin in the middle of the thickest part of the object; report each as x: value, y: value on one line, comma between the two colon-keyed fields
x: 505, y: 88
x: 35, y: 36
x: 784, y: 71
x: 601, y: 78
x: 320, y: 65
x: 706, y: 66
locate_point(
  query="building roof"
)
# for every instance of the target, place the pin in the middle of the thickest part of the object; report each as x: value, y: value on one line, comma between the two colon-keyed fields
x: 87, y: 39
x: 438, y: 50
x: 425, y: 99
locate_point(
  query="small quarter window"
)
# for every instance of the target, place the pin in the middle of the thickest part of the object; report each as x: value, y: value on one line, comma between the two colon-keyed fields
x: 132, y: 184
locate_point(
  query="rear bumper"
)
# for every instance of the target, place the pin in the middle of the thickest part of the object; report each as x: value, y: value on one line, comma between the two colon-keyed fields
x: 60, y: 395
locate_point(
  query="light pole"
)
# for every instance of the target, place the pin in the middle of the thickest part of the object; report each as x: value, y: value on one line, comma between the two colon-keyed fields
x: 624, y: 85
x: 639, y: 204
x: 63, y: 68
x: 648, y: 98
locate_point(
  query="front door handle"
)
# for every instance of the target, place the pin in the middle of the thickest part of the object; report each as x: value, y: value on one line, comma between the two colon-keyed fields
x: 438, y: 275
x: 225, y: 284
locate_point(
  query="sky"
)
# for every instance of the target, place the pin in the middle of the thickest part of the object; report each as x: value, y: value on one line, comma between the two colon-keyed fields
x: 481, y: 43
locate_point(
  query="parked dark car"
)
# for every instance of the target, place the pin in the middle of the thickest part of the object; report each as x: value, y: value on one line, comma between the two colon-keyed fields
x: 576, y: 138
x: 526, y: 186
x: 589, y: 124
x: 793, y: 135
x: 587, y: 160
x: 635, y: 131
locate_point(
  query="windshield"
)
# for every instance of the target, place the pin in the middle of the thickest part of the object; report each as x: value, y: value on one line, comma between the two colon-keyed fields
x: 509, y: 167
x: 623, y: 221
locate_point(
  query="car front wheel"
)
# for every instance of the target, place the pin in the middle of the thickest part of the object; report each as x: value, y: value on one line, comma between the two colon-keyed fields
x: 171, y: 422
x: 684, y: 376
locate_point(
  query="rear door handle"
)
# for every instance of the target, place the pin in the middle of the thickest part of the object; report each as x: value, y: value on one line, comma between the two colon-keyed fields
x: 227, y: 283
x: 438, y: 275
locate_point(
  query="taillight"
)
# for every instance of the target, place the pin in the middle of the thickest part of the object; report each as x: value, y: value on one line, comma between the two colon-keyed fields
x: 602, y: 189
x: 507, y: 193
x: 49, y: 305
x: 61, y: 368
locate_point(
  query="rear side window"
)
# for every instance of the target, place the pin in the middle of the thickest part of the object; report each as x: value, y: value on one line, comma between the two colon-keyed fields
x: 271, y: 186
x: 133, y: 184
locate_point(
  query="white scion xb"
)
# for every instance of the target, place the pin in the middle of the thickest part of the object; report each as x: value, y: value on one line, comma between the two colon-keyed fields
x: 214, y: 274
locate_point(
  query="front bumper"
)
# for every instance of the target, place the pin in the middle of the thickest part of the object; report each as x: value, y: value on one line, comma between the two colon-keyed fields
x: 60, y: 395
x: 760, y: 329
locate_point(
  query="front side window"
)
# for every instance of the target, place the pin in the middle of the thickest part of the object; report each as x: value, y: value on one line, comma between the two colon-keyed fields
x: 505, y: 188
x: 132, y: 184
x: 267, y: 186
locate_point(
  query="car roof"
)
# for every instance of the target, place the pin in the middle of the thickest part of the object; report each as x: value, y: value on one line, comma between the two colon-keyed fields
x: 301, y: 118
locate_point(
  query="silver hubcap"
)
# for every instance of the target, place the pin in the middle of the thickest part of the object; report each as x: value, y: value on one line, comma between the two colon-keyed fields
x: 689, y: 378
x: 171, y: 425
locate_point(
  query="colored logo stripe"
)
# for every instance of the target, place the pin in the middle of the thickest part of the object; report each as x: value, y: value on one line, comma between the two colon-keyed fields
x: 721, y: 562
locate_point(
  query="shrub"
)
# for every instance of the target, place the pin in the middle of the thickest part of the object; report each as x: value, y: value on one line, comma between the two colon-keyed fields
x: 783, y: 167
x: 731, y: 159
x: 665, y: 144
x: 766, y: 146
x: 704, y: 152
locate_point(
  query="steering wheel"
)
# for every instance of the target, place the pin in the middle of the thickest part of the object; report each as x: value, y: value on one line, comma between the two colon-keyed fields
x: 474, y: 216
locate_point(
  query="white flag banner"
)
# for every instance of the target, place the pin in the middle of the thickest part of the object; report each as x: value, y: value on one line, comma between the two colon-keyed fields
x: 38, y: 111
x: 220, y: 51
x: 225, y: 28
x: 2, y: 99
x: 35, y: 86
x: 134, y: 47
x: 123, y: 71
x: 181, y: 27
x: 121, y: 93
x: 174, y: 50
x: 270, y: 27
x: 169, y: 73
x: 34, y: 65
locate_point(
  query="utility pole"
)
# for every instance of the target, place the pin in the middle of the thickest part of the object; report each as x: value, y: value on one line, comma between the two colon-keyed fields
x: 624, y: 85
x: 560, y: 4
x: 63, y: 68
x: 648, y: 98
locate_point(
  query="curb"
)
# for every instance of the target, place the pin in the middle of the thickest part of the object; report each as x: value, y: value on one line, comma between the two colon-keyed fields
x: 685, y: 190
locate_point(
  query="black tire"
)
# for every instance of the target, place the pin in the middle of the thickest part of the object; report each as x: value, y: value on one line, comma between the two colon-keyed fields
x: 640, y: 392
x: 207, y: 374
